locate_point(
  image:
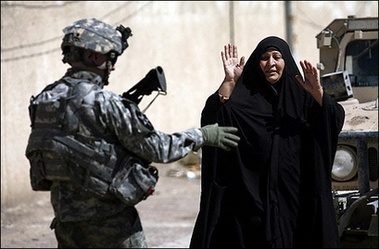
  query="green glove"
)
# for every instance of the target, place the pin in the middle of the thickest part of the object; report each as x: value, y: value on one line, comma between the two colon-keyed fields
x: 220, y: 136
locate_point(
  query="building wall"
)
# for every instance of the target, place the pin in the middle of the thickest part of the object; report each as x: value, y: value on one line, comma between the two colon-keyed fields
x: 185, y: 38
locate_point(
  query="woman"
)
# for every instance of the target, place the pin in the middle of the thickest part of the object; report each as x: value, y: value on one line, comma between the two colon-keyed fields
x: 274, y: 190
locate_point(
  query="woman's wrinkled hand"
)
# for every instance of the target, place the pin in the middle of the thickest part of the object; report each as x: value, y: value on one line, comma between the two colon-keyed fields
x: 232, y: 68
x: 311, y: 82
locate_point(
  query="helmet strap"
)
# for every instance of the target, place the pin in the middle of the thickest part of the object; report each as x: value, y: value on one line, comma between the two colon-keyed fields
x: 111, y: 61
x: 106, y: 72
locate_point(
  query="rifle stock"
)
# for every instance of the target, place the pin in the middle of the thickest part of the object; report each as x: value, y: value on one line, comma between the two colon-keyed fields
x: 153, y: 81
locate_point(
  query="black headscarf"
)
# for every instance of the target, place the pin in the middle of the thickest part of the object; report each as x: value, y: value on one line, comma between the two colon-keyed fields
x: 260, y: 193
x: 291, y: 95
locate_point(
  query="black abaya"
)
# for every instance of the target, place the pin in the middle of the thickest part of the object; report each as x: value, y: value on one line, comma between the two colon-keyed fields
x: 274, y: 189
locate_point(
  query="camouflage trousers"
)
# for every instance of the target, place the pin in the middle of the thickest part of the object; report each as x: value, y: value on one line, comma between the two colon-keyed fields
x: 123, y: 230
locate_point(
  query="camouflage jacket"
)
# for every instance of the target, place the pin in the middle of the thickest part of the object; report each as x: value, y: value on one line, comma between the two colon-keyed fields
x: 106, y: 116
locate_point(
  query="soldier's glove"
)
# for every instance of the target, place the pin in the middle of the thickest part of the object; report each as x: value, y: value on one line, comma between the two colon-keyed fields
x: 220, y: 136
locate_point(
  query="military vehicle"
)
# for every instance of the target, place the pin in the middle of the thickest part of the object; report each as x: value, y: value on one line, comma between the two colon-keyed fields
x: 348, y: 50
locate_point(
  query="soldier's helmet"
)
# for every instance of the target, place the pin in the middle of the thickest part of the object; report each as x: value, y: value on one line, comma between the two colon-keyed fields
x: 94, y: 35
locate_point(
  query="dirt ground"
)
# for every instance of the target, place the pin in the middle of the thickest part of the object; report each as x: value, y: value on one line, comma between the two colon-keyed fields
x: 167, y: 216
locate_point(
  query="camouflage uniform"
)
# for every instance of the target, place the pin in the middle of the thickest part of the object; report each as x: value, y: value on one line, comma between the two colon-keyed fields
x: 82, y: 217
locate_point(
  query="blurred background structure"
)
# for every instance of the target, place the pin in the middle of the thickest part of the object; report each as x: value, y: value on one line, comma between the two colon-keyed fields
x: 185, y: 38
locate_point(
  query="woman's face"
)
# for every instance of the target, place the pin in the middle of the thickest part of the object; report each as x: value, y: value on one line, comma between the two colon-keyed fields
x: 272, y: 65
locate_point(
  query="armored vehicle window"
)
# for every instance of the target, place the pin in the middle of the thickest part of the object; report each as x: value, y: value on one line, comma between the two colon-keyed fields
x: 362, y: 62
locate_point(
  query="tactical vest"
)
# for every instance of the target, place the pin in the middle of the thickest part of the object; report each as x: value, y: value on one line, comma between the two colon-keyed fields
x: 56, y: 149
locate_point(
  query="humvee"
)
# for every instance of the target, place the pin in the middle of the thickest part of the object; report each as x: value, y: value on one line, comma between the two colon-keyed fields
x: 348, y: 53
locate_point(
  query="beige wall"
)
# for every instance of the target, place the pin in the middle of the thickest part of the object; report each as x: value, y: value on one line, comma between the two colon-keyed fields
x: 185, y: 38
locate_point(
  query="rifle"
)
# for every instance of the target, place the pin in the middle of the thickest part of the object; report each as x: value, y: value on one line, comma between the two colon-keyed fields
x: 153, y: 81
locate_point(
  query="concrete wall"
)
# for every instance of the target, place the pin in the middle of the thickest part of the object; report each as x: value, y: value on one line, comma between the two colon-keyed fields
x: 185, y: 38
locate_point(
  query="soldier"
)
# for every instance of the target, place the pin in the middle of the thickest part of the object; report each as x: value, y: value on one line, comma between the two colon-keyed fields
x: 83, y: 136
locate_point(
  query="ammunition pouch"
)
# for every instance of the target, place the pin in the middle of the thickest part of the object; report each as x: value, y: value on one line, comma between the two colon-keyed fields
x: 45, y: 168
x: 134, y: 182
